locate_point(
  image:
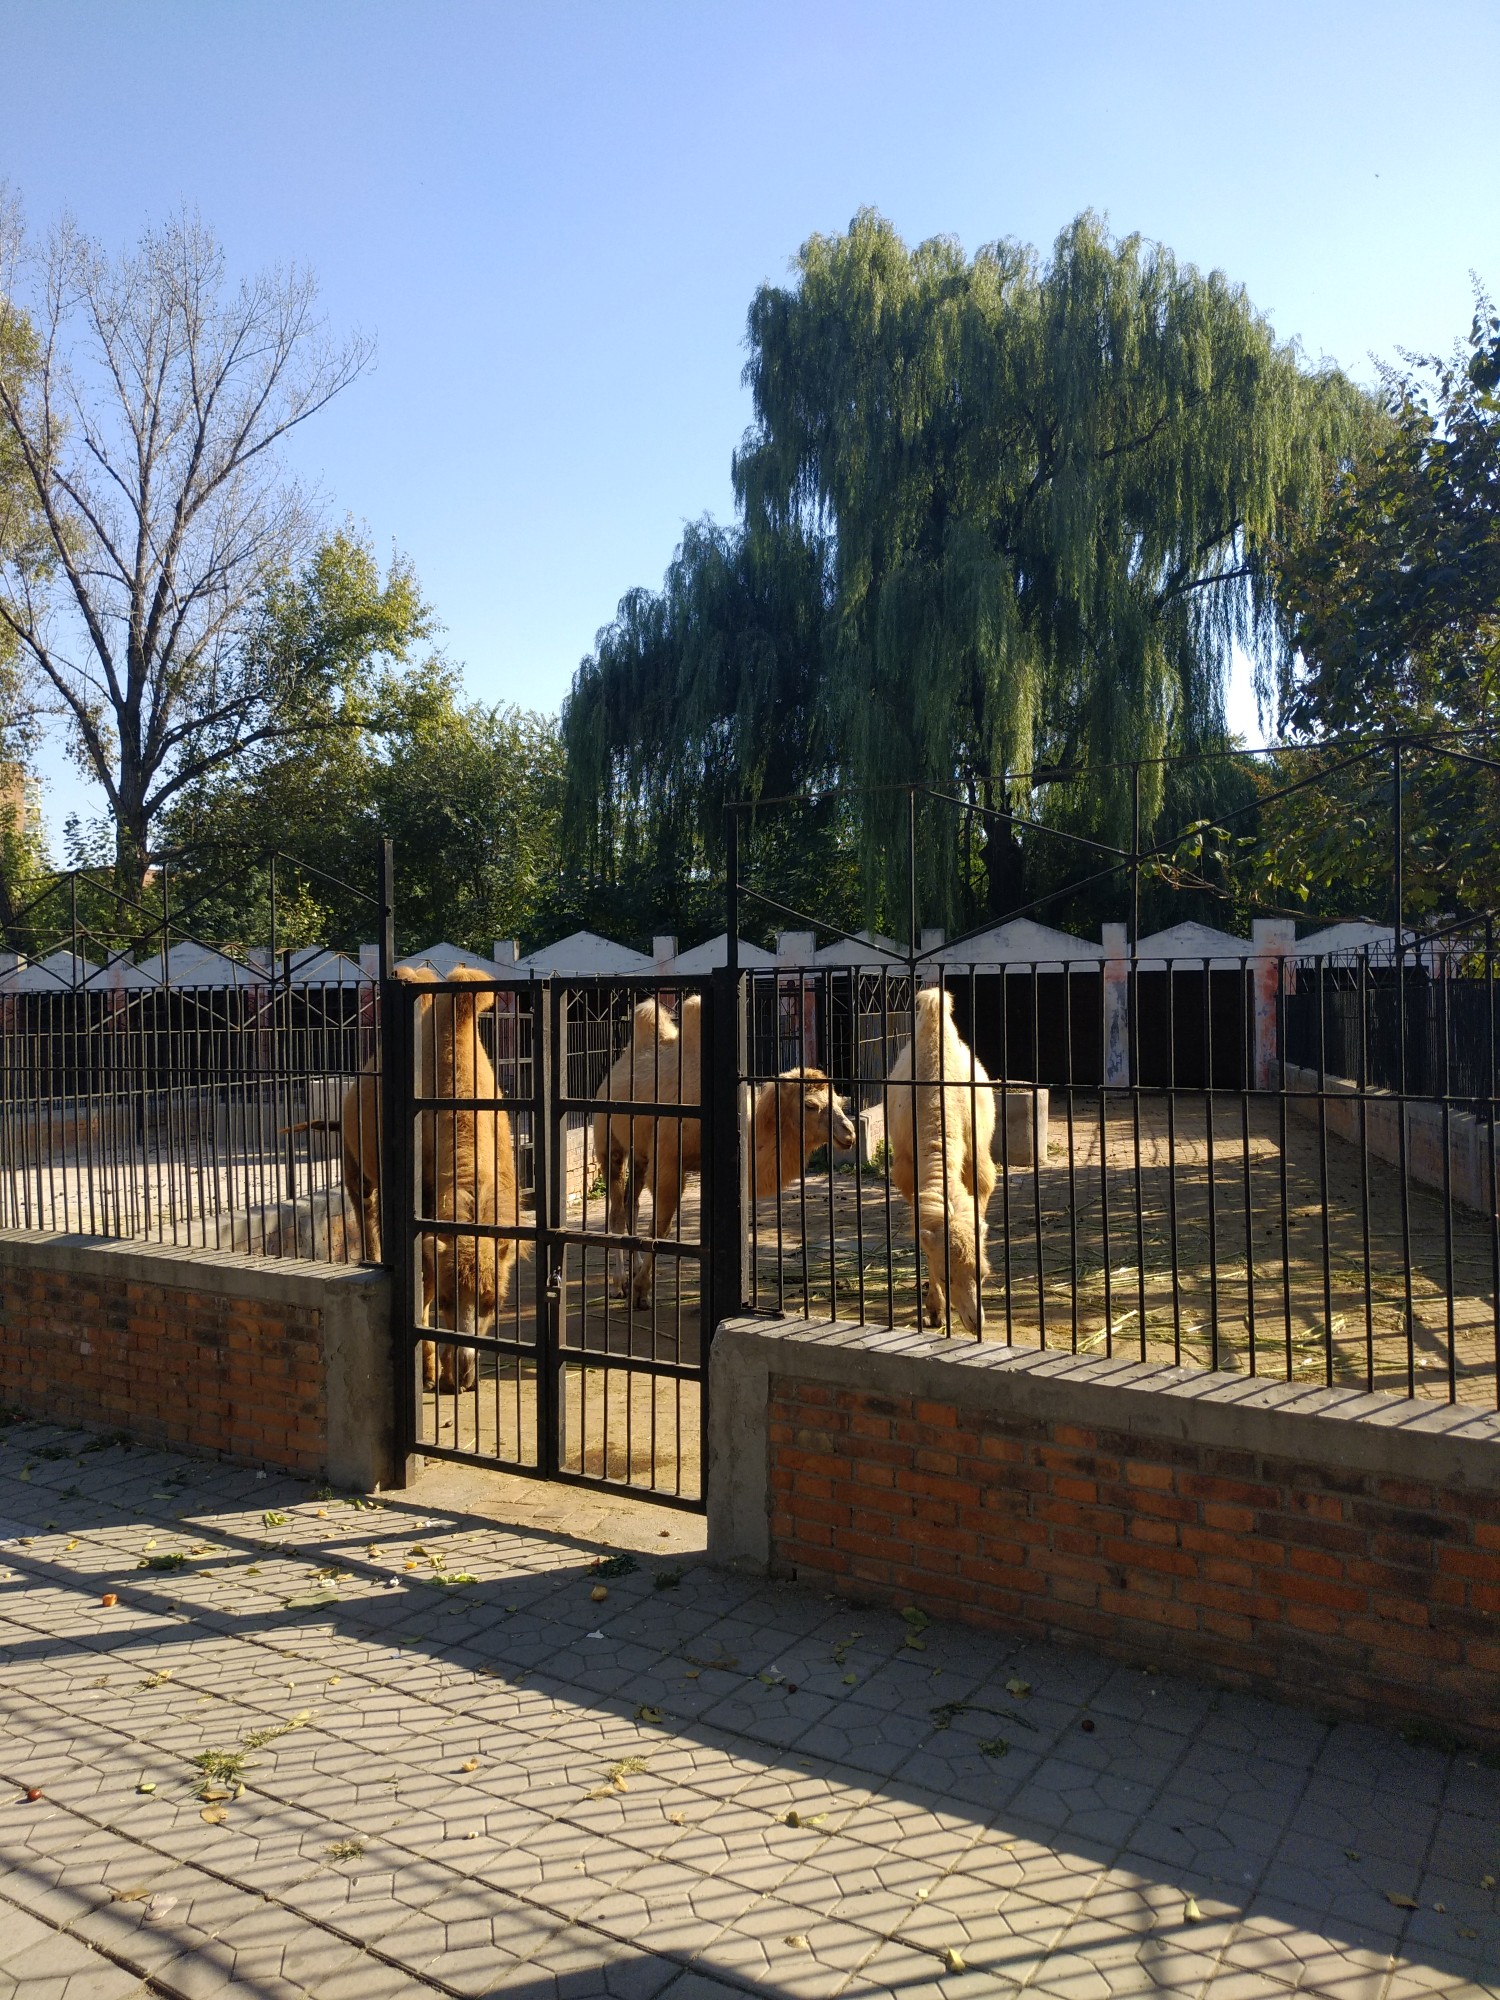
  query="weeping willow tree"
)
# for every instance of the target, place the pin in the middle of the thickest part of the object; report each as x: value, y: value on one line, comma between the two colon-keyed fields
x: 995, y: 514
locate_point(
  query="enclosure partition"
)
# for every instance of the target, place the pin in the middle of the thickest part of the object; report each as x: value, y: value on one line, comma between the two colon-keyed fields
x: 202, y: 1116
x: 1313, y: 1201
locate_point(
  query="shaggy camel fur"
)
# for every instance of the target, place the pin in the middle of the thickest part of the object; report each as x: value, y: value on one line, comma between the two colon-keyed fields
x: 662, y: 1064
x: 468, y: 1170
x: 946, y: 1169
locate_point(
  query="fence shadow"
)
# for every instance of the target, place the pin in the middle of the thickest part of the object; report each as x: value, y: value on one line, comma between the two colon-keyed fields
x: 1176, y: 1788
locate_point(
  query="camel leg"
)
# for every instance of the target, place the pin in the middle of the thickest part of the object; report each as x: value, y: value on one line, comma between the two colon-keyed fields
x: 666, y: 1186
x: 623, y: 1201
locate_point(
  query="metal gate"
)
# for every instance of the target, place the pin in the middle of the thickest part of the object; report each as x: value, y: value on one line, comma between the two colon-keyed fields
x: 551, y: 1168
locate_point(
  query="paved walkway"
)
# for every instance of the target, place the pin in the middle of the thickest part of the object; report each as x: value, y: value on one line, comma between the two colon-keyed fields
x: 348, y: 1750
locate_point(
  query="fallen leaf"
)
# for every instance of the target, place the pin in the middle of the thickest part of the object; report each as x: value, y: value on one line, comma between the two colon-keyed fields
x: 598, y: 1594
x: 1019, y: 1688
x: 71, y: 1546
x: 953, y: 1958
x: 851, y: 1680
x: 146, y: 1785
x: 646, y: 1713
x: 1191, y: 1914
x: 136, y: 1895
x: 469, y: 1764
x: 1486, y: 1881
x: 797, y: 1941
x: 677, y: 1819
x: 109, y: 1600
x: 1466, y: 1931
x: 772, y: 1676
x: 692, y: 1673
x: 995, y: 1746
x: 1351, y: 1854
x: 1399, y: 1902
x: 604, y: 1791
x: 1441, y: 1908
x: 312, y: 1600
x: 215, y: 1815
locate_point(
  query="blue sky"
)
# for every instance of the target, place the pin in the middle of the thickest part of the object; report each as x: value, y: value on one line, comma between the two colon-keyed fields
x: 553, y: 217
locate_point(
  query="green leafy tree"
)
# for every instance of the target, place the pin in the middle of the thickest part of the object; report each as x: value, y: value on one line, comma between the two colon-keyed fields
x: 470, y: 795
x: 1022, y: 511
x: 1394, y: 603
x: 1393, y: 608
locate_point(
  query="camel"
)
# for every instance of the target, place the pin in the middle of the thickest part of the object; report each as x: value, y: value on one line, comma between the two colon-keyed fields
x: 946, y: 1168
x: 468, y: 1169
x: 662, y: 1064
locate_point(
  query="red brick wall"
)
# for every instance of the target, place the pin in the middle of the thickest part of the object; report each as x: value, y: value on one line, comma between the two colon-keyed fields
x: 1361, y: 1592
x: 172, y: 1364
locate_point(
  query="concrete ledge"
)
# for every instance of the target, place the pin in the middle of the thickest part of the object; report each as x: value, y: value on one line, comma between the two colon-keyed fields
x: 345, y: 1308
x: 232, y: 1273
x: 1386, y: 1436
x: 1462, y: 1167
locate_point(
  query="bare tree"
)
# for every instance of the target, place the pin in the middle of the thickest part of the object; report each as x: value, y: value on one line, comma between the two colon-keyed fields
x: 145, y: 429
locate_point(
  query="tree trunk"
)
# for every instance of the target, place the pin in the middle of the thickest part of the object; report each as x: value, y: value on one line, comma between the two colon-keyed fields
x: 1004, y: 869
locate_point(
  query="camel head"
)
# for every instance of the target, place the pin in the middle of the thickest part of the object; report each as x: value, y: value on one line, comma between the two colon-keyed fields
x: 810, y: 1114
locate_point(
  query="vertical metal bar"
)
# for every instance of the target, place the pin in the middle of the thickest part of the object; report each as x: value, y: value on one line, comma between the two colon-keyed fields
x: 1010, y: 1328
x: 1323, y: 1169
x: 1248, y: 999
x: 1037, y: 1165
x: 1067, y: 977
x: 1286, y: 1245
x: 548, y: 1124
x: 1444, y: 983
x: 943, y: 1154
x: 980, y: 1220
x: 887, y: 1151
x: 1109, y: 1302
x: 1493, y: 1205
x: 398, y: 1201
x: 1364, y: 992
x: 1132, y: 1001
x: 1398, y: 896
x: 1172, y: 1161
x: 1212, y: 1165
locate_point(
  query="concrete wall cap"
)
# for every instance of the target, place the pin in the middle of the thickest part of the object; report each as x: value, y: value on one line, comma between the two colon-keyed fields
x: 1391, y: 1435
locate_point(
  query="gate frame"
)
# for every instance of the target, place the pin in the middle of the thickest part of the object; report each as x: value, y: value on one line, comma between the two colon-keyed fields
x: 717, y: 1252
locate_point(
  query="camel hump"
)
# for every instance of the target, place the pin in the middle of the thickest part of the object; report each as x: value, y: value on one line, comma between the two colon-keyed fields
x: 652, y: 1023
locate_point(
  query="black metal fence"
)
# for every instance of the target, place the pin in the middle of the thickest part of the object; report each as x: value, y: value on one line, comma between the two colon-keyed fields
x: 1201, y: 1164
x: 208, y: 1116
